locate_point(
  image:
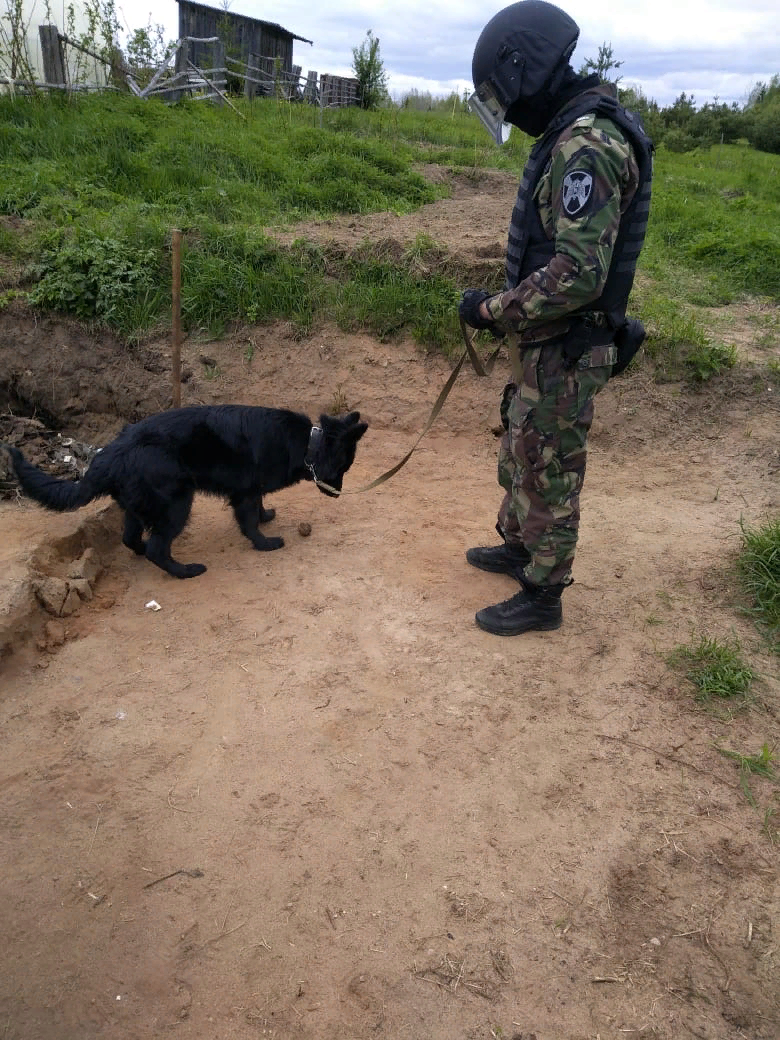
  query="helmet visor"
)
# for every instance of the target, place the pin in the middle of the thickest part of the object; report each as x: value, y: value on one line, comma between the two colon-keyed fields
x: 484, y: 103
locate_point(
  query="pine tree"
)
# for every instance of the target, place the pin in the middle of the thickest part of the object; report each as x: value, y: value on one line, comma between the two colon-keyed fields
x: 602, y: 64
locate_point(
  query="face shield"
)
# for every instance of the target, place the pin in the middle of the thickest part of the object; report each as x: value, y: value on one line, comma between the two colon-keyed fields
x: 484, y: 103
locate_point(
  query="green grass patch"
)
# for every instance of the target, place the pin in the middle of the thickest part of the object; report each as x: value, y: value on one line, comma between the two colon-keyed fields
x: 716, y: 215
x: 710, y: 359
x: 387, y: 291
x: 759, y: 568
x: 716, y: 670
x: 677, y: 341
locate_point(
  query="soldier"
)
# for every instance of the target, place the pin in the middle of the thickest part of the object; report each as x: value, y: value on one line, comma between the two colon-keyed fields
x: 576, y: 231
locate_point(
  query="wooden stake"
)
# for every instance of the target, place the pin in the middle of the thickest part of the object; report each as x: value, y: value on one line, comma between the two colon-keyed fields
x: 176, y: 324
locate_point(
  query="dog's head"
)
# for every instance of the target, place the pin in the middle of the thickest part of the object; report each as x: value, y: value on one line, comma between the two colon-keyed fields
x: 332, y: 453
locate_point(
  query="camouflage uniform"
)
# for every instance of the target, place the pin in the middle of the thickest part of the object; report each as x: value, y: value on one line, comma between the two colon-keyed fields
x: 542, y: 458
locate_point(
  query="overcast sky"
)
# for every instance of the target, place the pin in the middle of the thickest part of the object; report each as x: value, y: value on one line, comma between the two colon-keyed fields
x: 708, y: 48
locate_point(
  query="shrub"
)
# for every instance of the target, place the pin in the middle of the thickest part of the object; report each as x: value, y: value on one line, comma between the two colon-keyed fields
x: 94, y: 278
x: 764, y: 132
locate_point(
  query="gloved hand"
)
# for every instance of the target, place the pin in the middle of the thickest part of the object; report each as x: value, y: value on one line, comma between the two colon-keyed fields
x: 468, y: 308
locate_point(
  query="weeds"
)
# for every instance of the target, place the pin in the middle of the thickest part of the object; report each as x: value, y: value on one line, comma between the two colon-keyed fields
x: 759, y: 568
x: 717, y: 670
x: 340, y: 403
x: 711, y: 359
x: 759, y: 764
x: 94, y: 278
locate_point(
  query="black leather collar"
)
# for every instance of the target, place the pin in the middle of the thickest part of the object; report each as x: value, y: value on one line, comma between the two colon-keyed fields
x: 315, y: 439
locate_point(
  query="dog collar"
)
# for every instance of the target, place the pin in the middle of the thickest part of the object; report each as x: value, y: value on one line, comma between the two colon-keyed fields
x: 315, y: 439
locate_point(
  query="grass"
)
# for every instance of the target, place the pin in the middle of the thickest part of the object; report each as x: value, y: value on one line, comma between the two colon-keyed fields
x: 93, y: 186
x: 760, y: 764
x: 759, y: 568
x: 717, y: 670
x: 716, y: 224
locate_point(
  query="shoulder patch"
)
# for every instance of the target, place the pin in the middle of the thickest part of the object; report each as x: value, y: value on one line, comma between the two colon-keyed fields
x: 576, y: 192
x: 584, y: 122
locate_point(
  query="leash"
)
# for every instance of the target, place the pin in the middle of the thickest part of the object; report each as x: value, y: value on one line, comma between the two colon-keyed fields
x: 481, y: 369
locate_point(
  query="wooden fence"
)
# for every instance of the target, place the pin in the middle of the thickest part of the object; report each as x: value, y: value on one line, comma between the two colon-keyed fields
x: 178, y: 77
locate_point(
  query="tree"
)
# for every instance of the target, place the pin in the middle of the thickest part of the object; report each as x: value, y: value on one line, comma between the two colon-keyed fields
x: 146, y: 48
x: 602, y: 64
x: 763, y: 92
x: 370, y: 73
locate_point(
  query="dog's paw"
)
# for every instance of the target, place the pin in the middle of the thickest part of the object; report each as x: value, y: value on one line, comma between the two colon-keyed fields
x: 191, y: 570
x: 266, y: 516
x: 269, y: 543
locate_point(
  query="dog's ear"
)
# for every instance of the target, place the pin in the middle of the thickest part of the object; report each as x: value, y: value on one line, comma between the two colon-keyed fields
x: 346, y: 426
x: 340, y: 420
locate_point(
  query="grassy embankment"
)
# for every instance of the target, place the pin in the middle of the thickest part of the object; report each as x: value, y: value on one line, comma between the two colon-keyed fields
x: 101, y: 182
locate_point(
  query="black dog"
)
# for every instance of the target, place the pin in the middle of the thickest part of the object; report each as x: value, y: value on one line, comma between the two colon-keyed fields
x: 155, y: 466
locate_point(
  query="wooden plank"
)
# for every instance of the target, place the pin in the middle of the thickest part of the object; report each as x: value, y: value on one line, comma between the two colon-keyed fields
x: 180, y: 70
x: 199, y: 72
x: 218, y: 71
x: 251, y: 81
x: 176, y: 317
x: 310, y: 92
x: 160, y: 72
x: 52, y: 54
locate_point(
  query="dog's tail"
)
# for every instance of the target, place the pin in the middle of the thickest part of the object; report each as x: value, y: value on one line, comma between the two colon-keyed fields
x: 60, y: 495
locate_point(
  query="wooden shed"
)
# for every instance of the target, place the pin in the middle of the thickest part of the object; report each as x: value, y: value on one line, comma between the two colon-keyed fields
x: 241, y: 35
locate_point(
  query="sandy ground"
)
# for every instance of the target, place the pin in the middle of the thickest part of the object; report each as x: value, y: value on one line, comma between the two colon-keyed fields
x: 309, y: 798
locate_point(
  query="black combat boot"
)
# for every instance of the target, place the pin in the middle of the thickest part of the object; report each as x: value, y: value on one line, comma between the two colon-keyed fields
x: 509, y: 558
x: 536, y: 608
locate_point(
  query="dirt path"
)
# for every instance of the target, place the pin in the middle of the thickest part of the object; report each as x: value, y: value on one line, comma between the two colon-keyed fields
x: 394, y: 824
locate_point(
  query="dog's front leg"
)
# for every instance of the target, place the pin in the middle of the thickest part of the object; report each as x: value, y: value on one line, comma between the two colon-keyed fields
x: 248, y: 511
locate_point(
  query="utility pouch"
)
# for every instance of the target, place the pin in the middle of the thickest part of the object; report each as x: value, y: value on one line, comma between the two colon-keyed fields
x: 628, y: 339
x: 586, y: 331
x: 506, y: 399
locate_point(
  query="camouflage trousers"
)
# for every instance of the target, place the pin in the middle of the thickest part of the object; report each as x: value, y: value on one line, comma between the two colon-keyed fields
x: 541, y: 462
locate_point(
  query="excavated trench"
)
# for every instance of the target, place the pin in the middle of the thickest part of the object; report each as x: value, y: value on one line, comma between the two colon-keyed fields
x: 63, y: 393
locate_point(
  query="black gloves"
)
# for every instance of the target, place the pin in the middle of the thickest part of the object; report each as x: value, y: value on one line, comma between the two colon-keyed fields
x: 468, y: 308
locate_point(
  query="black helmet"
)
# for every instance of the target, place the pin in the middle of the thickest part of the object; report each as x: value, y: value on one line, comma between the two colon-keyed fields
x: 519, y: 62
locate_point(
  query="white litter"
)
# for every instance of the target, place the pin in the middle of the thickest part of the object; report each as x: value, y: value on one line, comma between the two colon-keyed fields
x: 153, y: 605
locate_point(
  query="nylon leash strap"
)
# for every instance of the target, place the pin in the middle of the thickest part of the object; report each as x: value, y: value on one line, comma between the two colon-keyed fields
x: 481, y: 369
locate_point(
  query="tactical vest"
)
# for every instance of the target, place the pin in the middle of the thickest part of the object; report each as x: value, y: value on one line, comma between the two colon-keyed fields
x: 529, y: 248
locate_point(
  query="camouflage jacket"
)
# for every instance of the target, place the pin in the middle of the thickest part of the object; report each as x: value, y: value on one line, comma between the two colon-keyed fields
x: 536, y: 309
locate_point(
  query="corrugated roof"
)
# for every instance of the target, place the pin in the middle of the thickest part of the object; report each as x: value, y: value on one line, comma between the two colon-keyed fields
x: 256, y: 21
